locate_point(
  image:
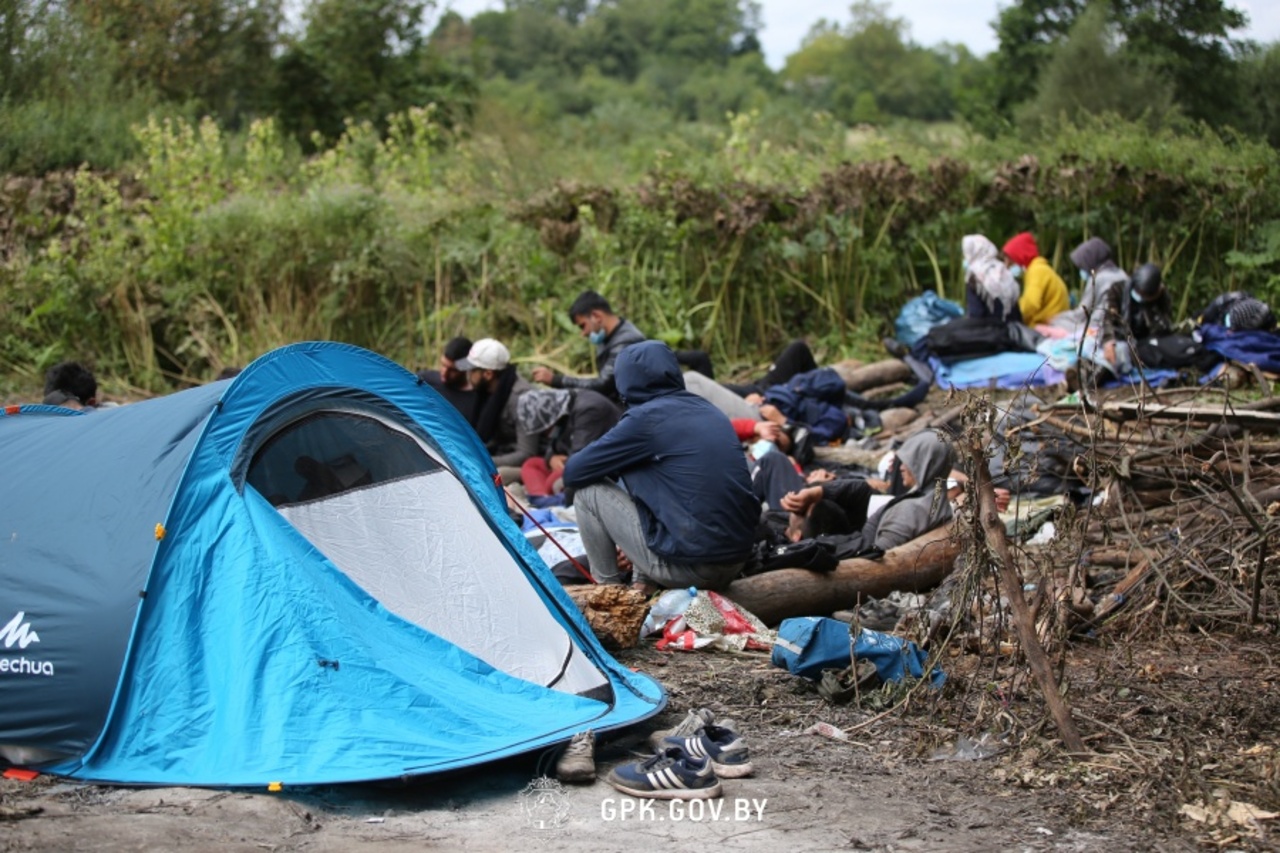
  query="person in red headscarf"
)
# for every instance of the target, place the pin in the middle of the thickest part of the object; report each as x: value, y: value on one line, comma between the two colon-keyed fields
x: 1044, y: 294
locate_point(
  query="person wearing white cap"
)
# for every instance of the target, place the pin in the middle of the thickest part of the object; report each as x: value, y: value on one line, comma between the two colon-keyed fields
x: 491, y: 373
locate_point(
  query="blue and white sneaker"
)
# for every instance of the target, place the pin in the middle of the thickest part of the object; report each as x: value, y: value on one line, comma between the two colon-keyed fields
x: 690, y: 725
x: 722, y: 746
x: 672, y: 774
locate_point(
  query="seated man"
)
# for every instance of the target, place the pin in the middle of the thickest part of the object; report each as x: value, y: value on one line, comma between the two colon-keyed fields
x: 553, y: 425
x: 498, y: 388
x: 668, y: 485
x: 838, y: 509
x: 611, y: 334
x: 450, y: 381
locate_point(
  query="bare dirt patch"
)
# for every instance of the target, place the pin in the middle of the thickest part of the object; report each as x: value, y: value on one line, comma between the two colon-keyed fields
x: 1165, y: 720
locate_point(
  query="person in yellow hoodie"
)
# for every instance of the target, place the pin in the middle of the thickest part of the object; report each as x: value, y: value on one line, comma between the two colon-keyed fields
x: 1044, y: 294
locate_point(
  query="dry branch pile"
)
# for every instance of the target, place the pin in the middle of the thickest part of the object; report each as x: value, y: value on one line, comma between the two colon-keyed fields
x: 1179, y: 527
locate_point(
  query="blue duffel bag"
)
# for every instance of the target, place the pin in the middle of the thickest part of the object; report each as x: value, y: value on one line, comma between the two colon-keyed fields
x: 809, y: 644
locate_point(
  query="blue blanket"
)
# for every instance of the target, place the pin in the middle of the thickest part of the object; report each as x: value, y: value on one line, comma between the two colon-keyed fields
x: 1025, y: 370
x: 1246, y: 347
x: 1008, y: 369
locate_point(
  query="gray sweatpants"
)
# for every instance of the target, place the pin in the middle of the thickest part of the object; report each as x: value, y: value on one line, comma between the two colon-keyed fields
x: 608, y: 520
x: 721, y: 397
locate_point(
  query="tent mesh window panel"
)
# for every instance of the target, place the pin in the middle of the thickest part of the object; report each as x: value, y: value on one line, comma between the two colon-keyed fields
x: 400, y: 523
x: 327, y: 453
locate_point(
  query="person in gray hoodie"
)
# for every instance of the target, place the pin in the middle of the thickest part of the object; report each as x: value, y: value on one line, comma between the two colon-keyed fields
x: 836, y: 511
x: 1097, y: 313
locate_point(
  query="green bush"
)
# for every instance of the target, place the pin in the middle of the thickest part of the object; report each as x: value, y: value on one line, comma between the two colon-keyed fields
x: 734, y: 238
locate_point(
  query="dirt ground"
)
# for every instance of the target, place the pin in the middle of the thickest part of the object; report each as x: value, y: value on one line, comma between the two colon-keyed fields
x: 1166, y: 721
x: 1182, y: 721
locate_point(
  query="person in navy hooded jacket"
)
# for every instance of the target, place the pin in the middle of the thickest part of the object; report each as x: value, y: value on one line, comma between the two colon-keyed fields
x: 667, y: 486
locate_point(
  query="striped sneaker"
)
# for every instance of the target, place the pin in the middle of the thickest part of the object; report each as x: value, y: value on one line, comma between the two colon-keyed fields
x: 690, y: 725
x: 670, y: 775
x: 722, y: 746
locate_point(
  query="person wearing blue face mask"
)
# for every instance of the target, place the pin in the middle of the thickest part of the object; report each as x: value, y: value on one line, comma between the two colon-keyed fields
x: 1099, y: 311
x: 610, y: 334
x: 1148, y: 313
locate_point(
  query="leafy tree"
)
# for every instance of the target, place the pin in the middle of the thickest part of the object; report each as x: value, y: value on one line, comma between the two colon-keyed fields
x: 1186, y: 41
x: 974, y: 88
x: 1027, y: 31
x: 1087, y: 75
x: 1189, y: 43
x: 703, y: 31
x: 63, y: 101
x: 871, y: 66
x: 1260, y: 92
x: 215, y: 53
x: 363, y: 60
x: 698, y: 57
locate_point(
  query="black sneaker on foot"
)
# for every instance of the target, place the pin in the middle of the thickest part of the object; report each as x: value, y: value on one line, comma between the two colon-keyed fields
x: 895, y: 347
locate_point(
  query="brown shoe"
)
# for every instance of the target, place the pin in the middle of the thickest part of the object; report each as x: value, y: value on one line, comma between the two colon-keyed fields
x: 578, y: 762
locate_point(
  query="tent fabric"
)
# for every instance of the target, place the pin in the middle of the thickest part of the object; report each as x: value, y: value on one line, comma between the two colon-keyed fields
x: 84, y: 492
x: 240, y: 644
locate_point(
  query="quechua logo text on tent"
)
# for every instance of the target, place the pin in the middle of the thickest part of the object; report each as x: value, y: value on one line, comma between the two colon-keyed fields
x: 18, y: 632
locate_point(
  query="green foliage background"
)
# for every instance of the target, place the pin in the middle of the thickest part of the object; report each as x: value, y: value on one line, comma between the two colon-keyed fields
x: 219, y: 247
x: 193, y: 182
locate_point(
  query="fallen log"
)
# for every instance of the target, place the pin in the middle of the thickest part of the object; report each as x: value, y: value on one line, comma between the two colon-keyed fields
x: 846, y: 455
x: 894, y: 420
x: 1202, y: 414
x: 914, y: 566
x: 861, y: 377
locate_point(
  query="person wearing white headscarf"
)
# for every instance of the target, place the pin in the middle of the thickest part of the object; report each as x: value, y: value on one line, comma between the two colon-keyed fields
x: 990, y: 288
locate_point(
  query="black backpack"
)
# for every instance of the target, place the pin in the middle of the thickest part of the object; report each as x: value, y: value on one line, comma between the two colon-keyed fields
x: 970, y: 336
x: 812, y: 554
x: 1175, y: 352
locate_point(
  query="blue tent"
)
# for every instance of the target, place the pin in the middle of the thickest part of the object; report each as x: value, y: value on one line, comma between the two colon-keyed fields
x: 305, y: 574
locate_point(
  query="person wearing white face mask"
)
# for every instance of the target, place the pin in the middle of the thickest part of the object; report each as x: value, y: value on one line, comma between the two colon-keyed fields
x: 611, y: 334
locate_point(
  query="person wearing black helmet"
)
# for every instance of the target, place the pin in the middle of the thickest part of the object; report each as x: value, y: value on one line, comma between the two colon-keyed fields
x: 1148, y: 313
x: 1148, y: 326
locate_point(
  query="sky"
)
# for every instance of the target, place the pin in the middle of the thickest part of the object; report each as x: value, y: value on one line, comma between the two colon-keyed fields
x: 786, y: 22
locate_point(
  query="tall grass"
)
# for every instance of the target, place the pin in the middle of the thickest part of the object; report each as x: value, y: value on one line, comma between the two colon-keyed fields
x: 735, y: 238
